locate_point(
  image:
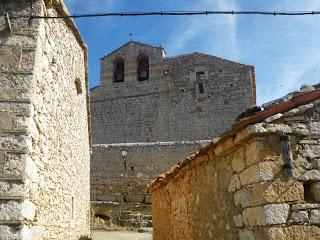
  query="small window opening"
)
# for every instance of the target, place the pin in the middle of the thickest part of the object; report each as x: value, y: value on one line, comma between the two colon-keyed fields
x: 118, y: 70
x: 132, y: 168
x: 143, y: 68
x: 201, y: 88
x: 78, y: 86
x: 200, y: 76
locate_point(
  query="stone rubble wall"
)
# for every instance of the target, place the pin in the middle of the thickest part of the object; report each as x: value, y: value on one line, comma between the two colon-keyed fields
x: 44, y: 142
x: 159, y: 109
x: 255, y: 200
x: 121, y: 172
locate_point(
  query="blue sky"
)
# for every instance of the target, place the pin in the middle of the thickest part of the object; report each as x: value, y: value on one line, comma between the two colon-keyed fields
x: 284, y: 50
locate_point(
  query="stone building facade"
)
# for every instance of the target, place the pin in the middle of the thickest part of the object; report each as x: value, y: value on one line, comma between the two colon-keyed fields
x: 260, y: 181
x: 44, y: 124
x: 143, y: 105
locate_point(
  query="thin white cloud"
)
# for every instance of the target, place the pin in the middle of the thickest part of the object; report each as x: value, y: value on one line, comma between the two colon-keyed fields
x: 213, y: 34
x: 300, y: 58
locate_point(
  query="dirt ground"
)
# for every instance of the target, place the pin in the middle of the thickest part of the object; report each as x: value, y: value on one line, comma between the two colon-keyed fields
x: 121, y: 236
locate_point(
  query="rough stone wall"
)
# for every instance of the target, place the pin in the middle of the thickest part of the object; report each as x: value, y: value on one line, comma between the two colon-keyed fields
x: 196, y: 203
x: 44, y: 156
x: 260, y: 200
x: 159, y: 109
x: 121, y: 172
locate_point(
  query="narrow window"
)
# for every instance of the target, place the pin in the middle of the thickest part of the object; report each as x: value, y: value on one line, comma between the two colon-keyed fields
x: 201, y: 88
x: 200, y: 78
x: 118, y: 70
x: 143, y: 68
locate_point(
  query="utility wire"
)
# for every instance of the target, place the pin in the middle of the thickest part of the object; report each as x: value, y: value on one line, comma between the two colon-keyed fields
x: 178, y: 13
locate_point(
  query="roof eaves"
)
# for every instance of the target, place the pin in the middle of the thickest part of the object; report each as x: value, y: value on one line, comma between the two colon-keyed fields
x: 295, y: 101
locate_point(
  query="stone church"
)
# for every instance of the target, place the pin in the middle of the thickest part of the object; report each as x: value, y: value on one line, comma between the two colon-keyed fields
x: 150, y: 111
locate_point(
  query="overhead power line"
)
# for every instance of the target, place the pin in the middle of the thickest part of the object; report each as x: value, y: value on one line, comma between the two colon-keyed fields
x: 179, y: 13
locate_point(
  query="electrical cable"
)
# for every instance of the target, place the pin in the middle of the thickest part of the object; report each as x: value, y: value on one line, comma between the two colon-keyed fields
x: 177, y: 13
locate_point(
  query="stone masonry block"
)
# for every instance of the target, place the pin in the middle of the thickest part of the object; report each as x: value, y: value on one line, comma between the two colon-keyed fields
x: 245, y: 234
x: 11, y: 57
x: 263, y: 149
x: 234, y: 184
x: 271, y: 214
x: 238, y: 163
x: 242, y: 198
x: 10, y: 211
x: 263, y: 171
x: 295, y: 232
x: 238, y: 220
x: 315, y: 217
x: 276, y: 213
x: 312, y: 175
x: 12, y: 165
x: 9, y: 190
x: 300, y: 217
x: 276, y: 192
x: 28, y: 210
x: 6, y: 234
x: 223, y: 147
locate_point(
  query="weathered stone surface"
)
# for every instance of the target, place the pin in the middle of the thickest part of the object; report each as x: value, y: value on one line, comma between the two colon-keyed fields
x: 238, y: 162
x: 234, y: 183
x: 238, y: 220
x: 300, y: 217
x: 263, y: 171
x: 297, y: 232
x: 10, y: 211
x: 28, y: 210
x: 304, y: 206
x: 311, y: 175
x: 242, y: 198
x: 109, y: 176
x: 315, y: 216
x: 245, y: 234
x: 6, y: 234
x: 263, y: 149
x: 276, y: 213
x: 277, y: 191
x: 11, y: 190
x: 271, y: 214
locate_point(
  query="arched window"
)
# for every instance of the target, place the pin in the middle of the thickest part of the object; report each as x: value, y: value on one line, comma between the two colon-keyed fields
x: 118, y: 70
x: 143, y: 68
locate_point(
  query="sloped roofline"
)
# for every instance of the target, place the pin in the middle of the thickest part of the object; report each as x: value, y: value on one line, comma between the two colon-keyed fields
x: 126, y: 44
x: 204, y: 54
